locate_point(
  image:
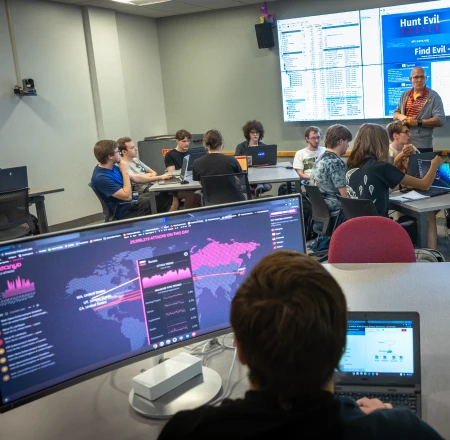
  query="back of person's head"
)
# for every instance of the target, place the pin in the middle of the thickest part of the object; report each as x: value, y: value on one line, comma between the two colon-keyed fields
x: 253, y: 126
x: 213, y: 139
x: 336, y: 133
x: 396, y: 127
x: 122, y: 143
x: 312, y: 129
x: 289, y: 318
x: 371, y: 140
x: 181, y: 134
x: 103, y: 149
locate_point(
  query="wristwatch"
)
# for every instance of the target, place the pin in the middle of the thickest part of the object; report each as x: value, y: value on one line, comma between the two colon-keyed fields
x: 419, y: 122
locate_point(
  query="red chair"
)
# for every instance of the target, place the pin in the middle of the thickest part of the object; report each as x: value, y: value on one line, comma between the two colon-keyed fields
x: 370, y: 240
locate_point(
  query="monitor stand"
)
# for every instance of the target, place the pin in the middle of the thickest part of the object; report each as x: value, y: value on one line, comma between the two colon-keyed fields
x: 195, y: 392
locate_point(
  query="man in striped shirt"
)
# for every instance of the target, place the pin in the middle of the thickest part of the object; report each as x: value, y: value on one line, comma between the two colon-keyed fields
x: 422, y: 108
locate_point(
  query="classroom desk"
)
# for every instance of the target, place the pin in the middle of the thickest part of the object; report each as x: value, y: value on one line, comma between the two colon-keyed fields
x: 419, y: 210
x: 98, y: 408
x: 36, y: 196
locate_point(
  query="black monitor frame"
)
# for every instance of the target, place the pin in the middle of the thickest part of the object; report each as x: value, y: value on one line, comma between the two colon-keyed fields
x: 148, y: 353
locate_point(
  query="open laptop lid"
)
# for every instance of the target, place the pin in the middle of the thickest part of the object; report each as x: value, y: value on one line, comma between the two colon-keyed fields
x: 413, y: 167
x: 13, y: 178
x: 263, y: 155
x: 184, y: 167
x: 442, y: 179
x: 383, y: 348
x: 195, y: 154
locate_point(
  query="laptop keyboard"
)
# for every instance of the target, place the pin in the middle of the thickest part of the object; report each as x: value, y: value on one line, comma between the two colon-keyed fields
x: 433, y: 191
x: 401, y: 401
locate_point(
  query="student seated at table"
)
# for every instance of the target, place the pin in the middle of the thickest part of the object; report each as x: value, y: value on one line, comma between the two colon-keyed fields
x: 289, y: 318
x: 370, y: 176
x: 142, y: 176
x: 214, y: 163
x: 173, y: 160
x: 254, y: 133
x: 328, y: 171
x: 400, y: 148
x: 111, y: 181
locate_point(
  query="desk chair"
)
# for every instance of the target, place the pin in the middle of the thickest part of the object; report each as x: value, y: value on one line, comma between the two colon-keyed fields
x: 108, y: 216
x: 357, y: 207
x: 15, y: 218
x: 371, y: 240
x: 225, y: 188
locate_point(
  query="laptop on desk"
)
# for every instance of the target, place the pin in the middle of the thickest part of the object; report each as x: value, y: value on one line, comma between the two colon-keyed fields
x: 441, y: 183
x: 264, y: 155
x: 177, y: 179
x: 12, y: 179
x: 382, y: 359
x: 413, y: 166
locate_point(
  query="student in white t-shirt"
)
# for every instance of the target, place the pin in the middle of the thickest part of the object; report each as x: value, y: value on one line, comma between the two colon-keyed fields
x: 304, y: 159
x: 400, y: 148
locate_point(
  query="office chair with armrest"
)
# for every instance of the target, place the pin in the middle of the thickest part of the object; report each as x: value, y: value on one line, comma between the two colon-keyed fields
x: 357, y: 207
x: 225, y: 188
x: 371, y: 240
x: 15, y: 218
x: 107, y: 214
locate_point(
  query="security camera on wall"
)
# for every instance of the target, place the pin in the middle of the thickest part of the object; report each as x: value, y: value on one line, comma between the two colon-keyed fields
x: 27, y: 88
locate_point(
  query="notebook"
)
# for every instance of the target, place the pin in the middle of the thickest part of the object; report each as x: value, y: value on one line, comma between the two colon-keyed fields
x: 13, y: 178
x: 441, y: 183
x: 382, y: 359
x: 181, y: 177
x: 262, y: 156
x: 242, y: 162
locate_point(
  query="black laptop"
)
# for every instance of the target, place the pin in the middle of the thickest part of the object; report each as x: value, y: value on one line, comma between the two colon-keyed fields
x: 382, y: 359
x: 441, y: 183
x: 264, y: 155
x: 194, y: 154
x: 12, y: 179
x: 413, y: 166
x: 177, y: 179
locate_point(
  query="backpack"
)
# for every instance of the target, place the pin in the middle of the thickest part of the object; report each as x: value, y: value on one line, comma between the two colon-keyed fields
x: 307, y: 213
x: 425, y: 255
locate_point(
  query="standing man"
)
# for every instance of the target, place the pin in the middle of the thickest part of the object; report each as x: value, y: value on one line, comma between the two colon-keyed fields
x: 304, y: 159
x: 400, y: 147
x: 328, y: 172
x: 422, y: 109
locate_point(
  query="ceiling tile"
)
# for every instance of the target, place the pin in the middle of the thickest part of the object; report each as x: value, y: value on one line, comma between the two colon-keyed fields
x: 216, y: 4
x: 174, y: 6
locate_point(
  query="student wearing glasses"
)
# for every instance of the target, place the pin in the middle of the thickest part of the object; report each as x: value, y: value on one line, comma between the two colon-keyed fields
x: 422, y: 108
x: 400, y: 148
x: 304, y: 159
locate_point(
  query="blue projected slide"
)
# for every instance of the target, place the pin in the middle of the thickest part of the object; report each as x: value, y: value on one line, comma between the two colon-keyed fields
x: 357, y: 64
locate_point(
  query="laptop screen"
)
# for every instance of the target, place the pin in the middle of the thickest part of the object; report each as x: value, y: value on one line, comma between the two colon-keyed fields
x: 442, y: 179
x: 379, y: 348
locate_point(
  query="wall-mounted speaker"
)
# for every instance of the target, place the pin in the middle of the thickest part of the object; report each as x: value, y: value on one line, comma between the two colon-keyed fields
x: 264, y: 35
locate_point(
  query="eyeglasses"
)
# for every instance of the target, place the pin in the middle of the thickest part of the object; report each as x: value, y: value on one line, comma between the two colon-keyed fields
x: 116, y: 151
x: 416, y: 77
x: 314, y: 138
x: 406, y: 132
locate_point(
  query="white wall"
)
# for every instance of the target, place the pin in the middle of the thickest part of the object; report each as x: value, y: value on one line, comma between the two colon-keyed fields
x: 214, y: 75
x: 54, y: 132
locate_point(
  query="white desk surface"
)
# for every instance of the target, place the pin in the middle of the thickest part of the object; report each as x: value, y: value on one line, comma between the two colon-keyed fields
x: 98, y: 408
x: 270, y: 174
x: 425, y: 205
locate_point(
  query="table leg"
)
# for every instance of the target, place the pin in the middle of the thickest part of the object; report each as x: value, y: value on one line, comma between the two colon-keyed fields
x: 153, y: 202
x: 422, y: 230
x: 39, y: 201
x: 297, y: 187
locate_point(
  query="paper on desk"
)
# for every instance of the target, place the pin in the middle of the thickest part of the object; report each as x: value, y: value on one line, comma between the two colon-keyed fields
x: 409, y: 197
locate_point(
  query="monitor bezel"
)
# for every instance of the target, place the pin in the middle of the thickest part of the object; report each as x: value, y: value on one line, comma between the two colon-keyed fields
x: 4, y: 407
x: 342, y: 378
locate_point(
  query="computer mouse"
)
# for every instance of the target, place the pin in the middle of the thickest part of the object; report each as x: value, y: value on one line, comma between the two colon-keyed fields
x: 161, y: 182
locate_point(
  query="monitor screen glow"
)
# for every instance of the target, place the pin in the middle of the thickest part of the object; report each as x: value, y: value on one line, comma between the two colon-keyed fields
x: 83, y: 302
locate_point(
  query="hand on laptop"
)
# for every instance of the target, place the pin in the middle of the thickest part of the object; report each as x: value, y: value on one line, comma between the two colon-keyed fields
x: 369, y: 405
x: 438, y: 161
x: 165, y: 176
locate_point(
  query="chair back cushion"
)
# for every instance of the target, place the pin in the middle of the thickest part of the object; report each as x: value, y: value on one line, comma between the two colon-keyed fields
x: 371, y: 240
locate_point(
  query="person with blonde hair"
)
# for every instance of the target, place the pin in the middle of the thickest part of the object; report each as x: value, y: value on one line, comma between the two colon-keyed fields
x: 370, y: 176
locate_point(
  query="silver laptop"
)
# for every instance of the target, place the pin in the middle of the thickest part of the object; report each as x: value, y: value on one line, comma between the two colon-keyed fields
x: 12, y: 179
x: 382, y: 359
x: 181, y: 177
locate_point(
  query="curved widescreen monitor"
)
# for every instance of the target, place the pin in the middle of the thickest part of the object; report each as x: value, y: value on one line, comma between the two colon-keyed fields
x: 356, y: 64
x: 83, y: 302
